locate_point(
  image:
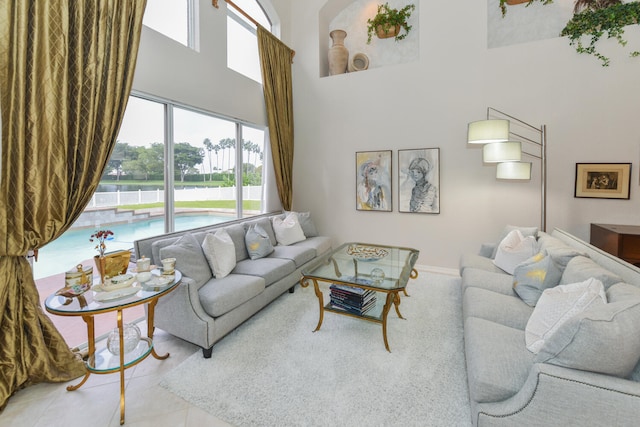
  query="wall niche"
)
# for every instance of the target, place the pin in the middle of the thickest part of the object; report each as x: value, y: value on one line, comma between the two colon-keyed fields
x: 351, y: 17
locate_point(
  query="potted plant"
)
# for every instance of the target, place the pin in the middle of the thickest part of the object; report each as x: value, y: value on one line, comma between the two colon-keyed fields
x: 597, y: 18
x: 504, y: 3
x: 388, y: 22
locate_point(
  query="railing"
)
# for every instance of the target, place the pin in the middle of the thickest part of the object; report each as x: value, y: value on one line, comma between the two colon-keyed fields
x: 120, y: 198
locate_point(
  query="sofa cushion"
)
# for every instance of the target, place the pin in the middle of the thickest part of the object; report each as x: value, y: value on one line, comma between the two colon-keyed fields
x: 479, y: 262
x: 526, y: 231
x: 271, y: 269
x: 258, y: 242
x: 219, y: 296
x: 514, y: 249
x: 603, y: 339
x: 307, y: 225
x: 623, y: 292
x: 499, y: 308
x: 492, y: 281
x: 319, y: 244
x: 220, y: 252
x: 298, y: 254
x: 498, y: 363
x: 190, y: 259
x: 534, y: 276
x: 581, y: 268
x: 159, y: 244
x: 557, y: 305
x: 288, y: 230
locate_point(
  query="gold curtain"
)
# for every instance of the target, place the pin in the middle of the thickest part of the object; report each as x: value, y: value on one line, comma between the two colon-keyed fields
x: 66, y: 69
x: 275, y: 58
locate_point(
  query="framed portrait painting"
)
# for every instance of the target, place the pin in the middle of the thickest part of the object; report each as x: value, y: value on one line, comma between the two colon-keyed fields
x: 603, y: 180
x: 373, y: 181
x: 419, y: 180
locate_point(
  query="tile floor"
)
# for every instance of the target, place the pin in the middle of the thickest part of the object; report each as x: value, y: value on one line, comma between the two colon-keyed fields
x: 97, y: 402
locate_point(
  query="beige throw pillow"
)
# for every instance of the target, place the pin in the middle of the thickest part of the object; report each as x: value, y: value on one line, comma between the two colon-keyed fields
x: 513, y: 250
x: 288, y: 230
x: 220, y: 252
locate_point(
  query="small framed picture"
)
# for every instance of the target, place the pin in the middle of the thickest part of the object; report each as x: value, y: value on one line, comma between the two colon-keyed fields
x: 373, y: 181
x: 419, y: 180
x: 603, y: 180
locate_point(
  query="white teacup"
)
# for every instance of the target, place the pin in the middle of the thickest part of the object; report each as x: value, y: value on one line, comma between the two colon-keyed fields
x: 168, y: 265
x: 143, y: 276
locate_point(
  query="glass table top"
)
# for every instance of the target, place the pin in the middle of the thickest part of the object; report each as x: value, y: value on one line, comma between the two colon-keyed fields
x: 94, y: 301
x: 375, y: 266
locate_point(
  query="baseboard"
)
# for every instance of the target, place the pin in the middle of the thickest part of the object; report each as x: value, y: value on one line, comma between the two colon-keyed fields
x: 436, y: 269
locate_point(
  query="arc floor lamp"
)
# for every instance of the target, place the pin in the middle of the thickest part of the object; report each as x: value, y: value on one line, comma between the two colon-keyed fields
x: 505, y: 146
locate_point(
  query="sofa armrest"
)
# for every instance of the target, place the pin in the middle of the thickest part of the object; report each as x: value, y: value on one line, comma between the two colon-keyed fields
x: 180, y: 313
x: 553, y: 395
x: 486, y: 250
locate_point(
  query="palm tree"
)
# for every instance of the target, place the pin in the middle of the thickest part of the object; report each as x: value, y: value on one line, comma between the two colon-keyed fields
x: 209, y: 147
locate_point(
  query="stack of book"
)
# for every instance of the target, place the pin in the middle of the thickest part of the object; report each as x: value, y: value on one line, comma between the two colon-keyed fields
x: 354, y: 300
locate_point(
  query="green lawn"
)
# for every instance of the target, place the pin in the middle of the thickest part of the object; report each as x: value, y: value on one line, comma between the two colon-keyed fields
x: 160, y: 183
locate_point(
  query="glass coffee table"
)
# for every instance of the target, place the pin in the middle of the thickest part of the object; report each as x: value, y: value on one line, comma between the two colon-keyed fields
x: 364, y: 281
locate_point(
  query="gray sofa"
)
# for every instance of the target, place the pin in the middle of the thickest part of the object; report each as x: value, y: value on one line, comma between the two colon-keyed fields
x: 571, y: 382
x: 204, y: 308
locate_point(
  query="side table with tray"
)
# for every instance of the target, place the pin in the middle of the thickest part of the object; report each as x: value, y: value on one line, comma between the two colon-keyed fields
x: 116, y: 294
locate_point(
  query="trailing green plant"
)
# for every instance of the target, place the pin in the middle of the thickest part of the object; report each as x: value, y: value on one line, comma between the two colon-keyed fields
x: 390, y: 18
x: 503, y: 5
x: 606, y: 21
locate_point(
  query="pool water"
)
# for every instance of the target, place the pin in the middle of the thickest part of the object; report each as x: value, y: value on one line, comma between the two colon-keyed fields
x: 74, y: 247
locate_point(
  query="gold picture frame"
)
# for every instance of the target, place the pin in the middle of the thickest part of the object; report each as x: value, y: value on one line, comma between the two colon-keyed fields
x: 115, y: 263
x: 603, y: 180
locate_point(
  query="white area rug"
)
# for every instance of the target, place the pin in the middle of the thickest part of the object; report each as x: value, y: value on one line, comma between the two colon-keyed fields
x: 274, y: 371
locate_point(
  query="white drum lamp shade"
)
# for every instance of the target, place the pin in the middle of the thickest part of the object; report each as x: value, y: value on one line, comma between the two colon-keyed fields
x: 514, y: 170
x: 496, y: 152
x: 486, y: 131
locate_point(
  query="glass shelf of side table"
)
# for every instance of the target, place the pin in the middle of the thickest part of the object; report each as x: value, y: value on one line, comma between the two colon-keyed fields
x: 101, y: 361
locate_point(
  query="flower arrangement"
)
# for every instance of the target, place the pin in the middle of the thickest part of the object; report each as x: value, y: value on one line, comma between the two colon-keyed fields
x: 100, y: 236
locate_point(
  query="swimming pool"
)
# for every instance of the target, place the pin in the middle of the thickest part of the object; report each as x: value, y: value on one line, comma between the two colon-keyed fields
x: 74, y: 247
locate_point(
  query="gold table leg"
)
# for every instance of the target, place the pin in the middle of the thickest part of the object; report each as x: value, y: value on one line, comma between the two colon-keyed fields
x: 385, y: 311
x: 91, y: 337
x: 151, y: 328
x: 304, y: 282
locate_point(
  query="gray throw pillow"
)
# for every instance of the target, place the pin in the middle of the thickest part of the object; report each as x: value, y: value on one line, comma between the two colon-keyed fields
x: 308, y: 227
x: 190, y: 259
x: 603, y: 339
x: 581, y: 268
x: 533, y: 276
x: 258, y: 242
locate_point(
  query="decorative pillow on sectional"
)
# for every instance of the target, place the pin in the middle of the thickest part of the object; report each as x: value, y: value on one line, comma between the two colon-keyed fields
x: 513, y: 250
x: 581, y: 268
x: 190, y: 260
x: 288, y: 230
x: 603, y: 339
x: 307, y: 225
x: 623, y: 292
x: 526, y: 231
x: 258, y: 242
x: 557, y: 305
x: 220, y: 252
x: 535, y: 275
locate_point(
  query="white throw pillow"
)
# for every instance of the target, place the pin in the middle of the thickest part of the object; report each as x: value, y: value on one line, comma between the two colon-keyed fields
x: 288, y: 230
x: 559, y: 304
x: 513, y: 250
x: 220, y: 252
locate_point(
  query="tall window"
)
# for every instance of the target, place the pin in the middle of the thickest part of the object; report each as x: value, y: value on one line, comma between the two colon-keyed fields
x: 143, y: 193
x: 242, y: 42
x: 175, y: 19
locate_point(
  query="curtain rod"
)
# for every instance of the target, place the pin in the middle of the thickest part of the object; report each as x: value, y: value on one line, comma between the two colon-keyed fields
x: 246, y: 15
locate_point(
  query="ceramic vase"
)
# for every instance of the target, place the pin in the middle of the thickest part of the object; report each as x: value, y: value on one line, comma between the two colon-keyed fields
x: 338, y: 54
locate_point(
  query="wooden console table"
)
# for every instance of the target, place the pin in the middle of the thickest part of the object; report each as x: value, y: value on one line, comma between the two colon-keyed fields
x: 622, y: 241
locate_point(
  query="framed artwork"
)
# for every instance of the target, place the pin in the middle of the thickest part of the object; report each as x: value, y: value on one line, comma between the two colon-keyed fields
x: 603, y: 180
x: 373, y: 181
x: 419, y: 180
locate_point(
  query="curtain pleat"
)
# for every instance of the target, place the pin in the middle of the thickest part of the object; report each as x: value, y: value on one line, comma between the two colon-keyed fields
x: 275, y: 59
x: 66, y: 70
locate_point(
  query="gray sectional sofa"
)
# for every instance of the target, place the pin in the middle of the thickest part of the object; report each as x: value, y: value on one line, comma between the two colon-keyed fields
x: 586, y: 374
x: 204, y: 308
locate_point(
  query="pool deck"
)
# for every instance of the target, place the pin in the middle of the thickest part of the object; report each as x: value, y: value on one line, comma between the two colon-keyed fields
x: 74, y: 329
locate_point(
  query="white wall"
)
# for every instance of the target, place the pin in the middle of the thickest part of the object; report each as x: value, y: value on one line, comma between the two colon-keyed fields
x: 590, y: 113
